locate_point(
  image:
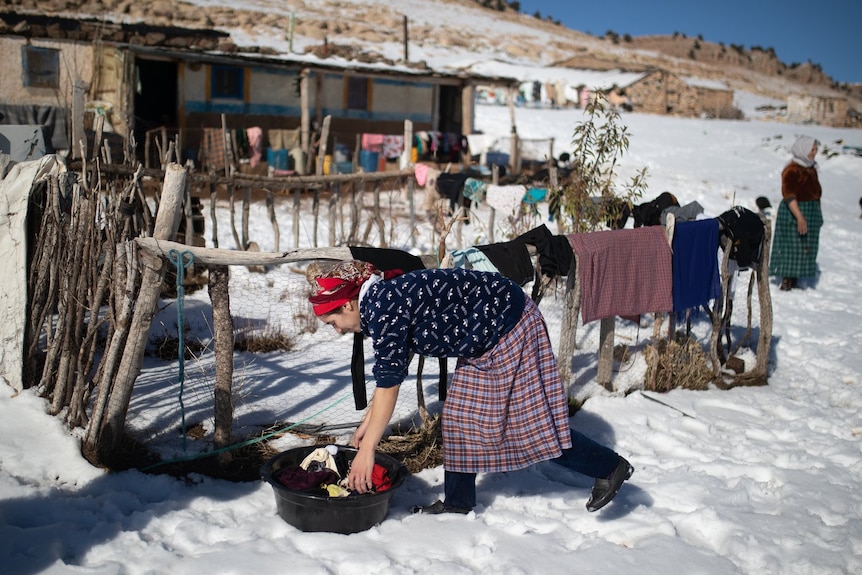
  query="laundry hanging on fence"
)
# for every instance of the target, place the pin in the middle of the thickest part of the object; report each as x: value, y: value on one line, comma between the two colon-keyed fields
x: 505, y: 199
x: 393, y: 147
x: 255, y: 145
x: 512, y: 258
x: 696, y: 279
x: 372, y: 142
x: 213, y: 149
x: 623, y: 272
x: 282, y: 139
x: 746, y: 232
x: 470, y: 258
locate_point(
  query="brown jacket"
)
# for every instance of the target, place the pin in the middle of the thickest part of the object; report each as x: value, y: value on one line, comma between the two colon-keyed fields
x: 800, y: 183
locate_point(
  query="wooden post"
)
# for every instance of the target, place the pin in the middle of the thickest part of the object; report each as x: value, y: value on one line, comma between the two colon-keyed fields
x: 514, y: 154
x: 718, y: 313
x: 408, y: 146
x: 297, y: 196
x: 232, y: 200
x: 246, y: 206
x: 324, y: 138
x: 606, y: 353
x: 315, y: 214
x: 568, y: 327
x: 305, y: 118
x: 213, y: 219
x: 187, y: 209
x: 79, y: 90
x: 764, y: 298
x: 495, y: 179
x: 334, y: 195
x: 406, y: 40
x: 225, y: 141
x: 109, y: 435
x: 270, y: 210
x: 223, y: 343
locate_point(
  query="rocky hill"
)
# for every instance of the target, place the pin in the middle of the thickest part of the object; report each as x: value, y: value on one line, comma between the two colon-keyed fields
x: 360, y: 25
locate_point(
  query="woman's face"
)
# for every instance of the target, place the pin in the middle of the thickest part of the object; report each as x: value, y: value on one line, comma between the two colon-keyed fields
x: 813, y: 152
x: 345, y: 319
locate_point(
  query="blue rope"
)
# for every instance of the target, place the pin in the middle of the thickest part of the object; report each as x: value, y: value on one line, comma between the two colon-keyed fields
x: 179, y: 261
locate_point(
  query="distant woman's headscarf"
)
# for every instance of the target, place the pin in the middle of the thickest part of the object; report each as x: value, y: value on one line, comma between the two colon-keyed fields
x: 800, y: 150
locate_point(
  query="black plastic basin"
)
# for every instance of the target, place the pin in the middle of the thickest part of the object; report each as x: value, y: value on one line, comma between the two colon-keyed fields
x: 313, y: 512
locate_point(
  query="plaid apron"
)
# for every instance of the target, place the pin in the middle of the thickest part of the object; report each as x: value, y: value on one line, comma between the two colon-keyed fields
x: 795, y: 256
x: 507, y: 408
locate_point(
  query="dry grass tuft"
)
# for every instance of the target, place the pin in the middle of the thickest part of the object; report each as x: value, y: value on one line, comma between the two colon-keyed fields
x: 269, y: 339
x: 676, y: 364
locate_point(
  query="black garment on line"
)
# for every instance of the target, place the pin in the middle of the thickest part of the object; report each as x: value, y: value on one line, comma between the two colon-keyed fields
x: 746, y: 232
x: 512, y: 259
x: 384, y: 259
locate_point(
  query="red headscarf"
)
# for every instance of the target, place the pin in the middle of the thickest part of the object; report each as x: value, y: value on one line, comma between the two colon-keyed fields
x: 340, y: 283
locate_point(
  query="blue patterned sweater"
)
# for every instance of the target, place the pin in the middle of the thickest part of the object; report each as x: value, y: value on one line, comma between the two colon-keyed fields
x: 437, y: 313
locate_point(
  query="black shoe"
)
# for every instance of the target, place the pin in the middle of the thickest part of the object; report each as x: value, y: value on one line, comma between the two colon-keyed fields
x: 439, y: 507
x: 606, y: 489
x: 788, y: 284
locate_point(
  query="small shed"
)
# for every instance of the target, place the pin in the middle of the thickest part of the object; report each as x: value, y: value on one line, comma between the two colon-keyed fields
x: 814, y: 109
x: 662, y: 92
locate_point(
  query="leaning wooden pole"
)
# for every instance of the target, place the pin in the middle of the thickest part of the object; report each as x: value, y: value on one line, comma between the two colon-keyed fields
x: 153, y: 272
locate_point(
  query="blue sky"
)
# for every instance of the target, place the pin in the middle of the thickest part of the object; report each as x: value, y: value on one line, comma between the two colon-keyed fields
x: 825, y: 32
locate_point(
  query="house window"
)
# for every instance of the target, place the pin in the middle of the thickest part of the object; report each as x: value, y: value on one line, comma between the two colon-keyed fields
x: 41, y: 67
x: 357, y: 93
x: 227, y: 82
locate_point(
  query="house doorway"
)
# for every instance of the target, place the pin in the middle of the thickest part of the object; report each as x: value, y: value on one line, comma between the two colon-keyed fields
x: 156, y: 102
x: 450, y: 110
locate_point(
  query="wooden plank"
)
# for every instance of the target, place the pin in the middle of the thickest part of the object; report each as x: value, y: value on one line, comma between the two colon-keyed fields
x: 217, y: 256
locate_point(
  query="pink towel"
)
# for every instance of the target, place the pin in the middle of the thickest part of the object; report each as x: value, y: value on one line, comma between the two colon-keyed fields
x: 255, y: 144
x: 421, y: 172
x: 372, y: 142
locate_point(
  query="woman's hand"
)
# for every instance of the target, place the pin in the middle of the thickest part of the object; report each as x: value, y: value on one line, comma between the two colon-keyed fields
x: 361, y: 471
x: 368, y: 435
x: 801, y: 224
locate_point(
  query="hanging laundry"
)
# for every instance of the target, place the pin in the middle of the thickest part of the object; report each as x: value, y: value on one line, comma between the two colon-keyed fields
x: 255, y: 144
x: 512, y: 259
x: 696, y: 279
x: 393, y: 147
x: 213, y: 149
x: 470, y: 258
x: 746, y: 232
x: 475, y: 190
x: 505, y: 199
x: 623, y: 272
x: 372, y: 142
x: 421, y: 173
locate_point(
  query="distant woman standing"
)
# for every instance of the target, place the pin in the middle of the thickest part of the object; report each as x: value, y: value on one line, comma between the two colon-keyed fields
x: 797, y: 225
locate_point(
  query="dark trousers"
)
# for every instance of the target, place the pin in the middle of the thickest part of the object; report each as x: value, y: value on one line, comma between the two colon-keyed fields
x: 586, y: 457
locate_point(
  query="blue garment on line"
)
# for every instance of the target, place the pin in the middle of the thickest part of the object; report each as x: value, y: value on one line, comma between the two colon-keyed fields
x: 696, y: 277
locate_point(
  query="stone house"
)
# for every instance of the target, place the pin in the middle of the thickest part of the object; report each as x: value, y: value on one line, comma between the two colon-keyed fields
x: 822, y: 110
x: 662, y: 92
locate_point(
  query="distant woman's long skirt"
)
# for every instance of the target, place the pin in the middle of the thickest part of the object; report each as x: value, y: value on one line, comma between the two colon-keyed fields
x: 507, y: 409
x: 793, y: 255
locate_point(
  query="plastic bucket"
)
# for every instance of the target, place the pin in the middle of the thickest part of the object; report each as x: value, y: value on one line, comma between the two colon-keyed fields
x: 313, y: 512
x: 341, y: 154
x: 369, y: 160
